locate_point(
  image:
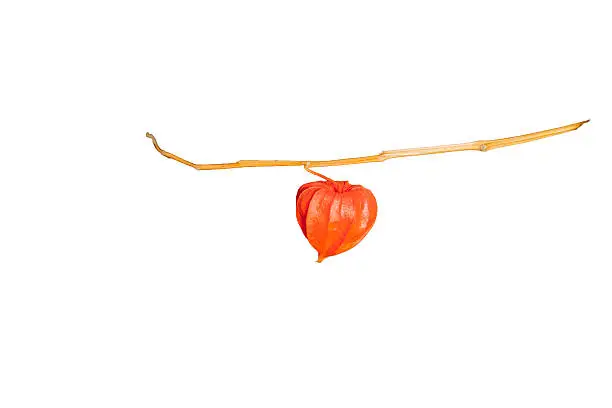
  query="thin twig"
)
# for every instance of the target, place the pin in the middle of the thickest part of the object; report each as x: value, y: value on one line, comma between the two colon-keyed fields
x: 481, y: 145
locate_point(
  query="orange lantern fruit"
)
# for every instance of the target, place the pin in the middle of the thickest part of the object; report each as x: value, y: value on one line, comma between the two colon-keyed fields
x: 334, y: 215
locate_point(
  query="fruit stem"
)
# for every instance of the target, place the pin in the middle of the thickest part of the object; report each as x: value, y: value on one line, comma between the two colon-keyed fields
x: 307, y: 168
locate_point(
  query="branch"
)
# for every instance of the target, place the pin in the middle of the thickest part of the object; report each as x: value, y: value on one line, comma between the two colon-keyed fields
x: 481, y: 145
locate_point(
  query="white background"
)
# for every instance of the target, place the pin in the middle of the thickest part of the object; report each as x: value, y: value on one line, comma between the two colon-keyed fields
x: 129, y: 280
